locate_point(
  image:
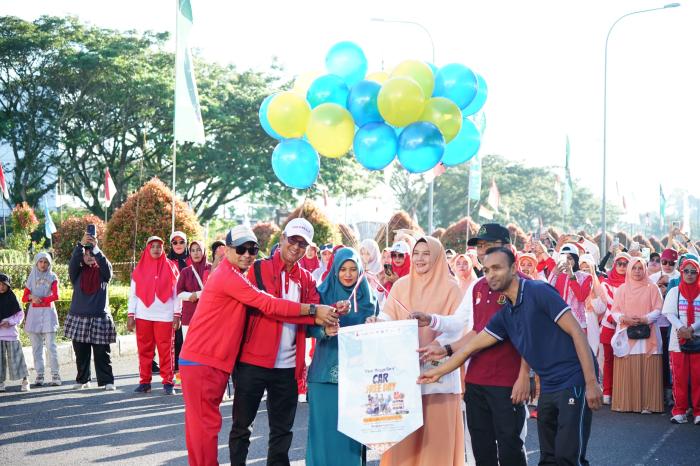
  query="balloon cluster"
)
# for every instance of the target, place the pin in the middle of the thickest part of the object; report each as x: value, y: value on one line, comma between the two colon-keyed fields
x: 417, y: 112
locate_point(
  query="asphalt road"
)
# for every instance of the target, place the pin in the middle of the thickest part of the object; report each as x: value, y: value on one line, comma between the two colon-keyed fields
x: 60, y: 426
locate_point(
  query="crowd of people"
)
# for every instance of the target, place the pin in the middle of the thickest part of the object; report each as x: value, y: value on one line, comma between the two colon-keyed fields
x: 514, y: 334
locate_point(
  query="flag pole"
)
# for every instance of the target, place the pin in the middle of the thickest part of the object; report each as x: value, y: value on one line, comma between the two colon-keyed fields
x: 4, y: 224
x: 173, y: 206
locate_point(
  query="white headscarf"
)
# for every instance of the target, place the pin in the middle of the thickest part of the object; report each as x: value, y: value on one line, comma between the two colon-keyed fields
x: 375, y: 257
x: 38, y: 282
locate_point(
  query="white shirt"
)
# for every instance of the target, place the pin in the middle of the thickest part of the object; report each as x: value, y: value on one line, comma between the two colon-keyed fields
x: 287, y: 352
x: 675, y: 311
x: 159, y: 311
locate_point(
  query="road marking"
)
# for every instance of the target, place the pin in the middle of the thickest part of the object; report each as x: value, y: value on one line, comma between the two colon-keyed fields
x: 657, y: 445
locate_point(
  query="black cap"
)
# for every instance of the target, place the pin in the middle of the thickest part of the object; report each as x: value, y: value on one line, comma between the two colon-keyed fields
x: 5, y: 279
x: 491, y: 232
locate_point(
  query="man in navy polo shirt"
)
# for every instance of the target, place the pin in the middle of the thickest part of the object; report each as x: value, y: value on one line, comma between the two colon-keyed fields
x: 540, y: 325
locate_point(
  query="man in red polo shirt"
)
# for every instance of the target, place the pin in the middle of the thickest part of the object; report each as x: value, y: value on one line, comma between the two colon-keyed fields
x: 497, y: 379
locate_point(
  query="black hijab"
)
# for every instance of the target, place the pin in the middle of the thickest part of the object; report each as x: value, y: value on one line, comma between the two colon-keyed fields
x: 183, y: 260
x: 9, y: 305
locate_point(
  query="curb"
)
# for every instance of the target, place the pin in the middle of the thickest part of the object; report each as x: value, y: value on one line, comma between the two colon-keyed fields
x: 125, y: 346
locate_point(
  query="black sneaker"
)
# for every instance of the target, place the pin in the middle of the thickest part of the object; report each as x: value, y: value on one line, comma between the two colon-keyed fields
x: 169, y: 389
x: 143, y: 388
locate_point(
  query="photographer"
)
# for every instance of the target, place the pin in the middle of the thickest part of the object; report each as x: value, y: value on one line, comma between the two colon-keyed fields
x: 89, y: 323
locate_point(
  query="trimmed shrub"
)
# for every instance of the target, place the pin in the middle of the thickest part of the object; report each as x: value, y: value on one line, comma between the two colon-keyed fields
x: 325, y: 231
x: 455, y: 237
x: 18, y: 274
x: 23, y: 222
x: 154, y: 201
x: 11, y: 256
x: 264, y: 231
x: 400, y: 220
x: 71, y: 231
x: 348, y: 236
x: 438, y: 233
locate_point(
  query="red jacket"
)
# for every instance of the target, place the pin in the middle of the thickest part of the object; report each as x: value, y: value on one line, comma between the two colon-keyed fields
x: 215, y: 332
x: 264, y: 332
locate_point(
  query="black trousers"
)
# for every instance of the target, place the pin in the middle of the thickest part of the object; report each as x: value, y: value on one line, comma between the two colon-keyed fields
x: 249, y: 383
x: 563, y: 427
x: 666, y: 363
x: 496, y: 426
x: 178, y: 346
x: 103, y: 362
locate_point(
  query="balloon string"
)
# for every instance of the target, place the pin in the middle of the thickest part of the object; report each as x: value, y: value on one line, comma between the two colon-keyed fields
x: 353, y: 295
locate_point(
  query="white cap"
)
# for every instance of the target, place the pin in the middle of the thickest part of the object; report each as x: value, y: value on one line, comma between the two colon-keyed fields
x: 300, y: 227
x: 570, y: 248
x: 240, y: 234
x: 400, y: 247
x: 178, y: 234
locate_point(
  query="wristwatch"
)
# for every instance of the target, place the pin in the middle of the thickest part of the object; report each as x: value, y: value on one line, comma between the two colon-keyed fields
x: 448, y: 348
x: 312, y: 310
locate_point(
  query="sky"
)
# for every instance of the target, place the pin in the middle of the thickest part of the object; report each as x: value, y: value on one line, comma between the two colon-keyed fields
x: 543, y: 61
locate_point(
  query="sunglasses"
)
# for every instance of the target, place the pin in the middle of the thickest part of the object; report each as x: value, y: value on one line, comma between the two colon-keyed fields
x: 298, y: 242
x: 252, y: 250
x: 177, y: 242
x: 621, y: 263
x: 655, y: 260
x: 665, y: 262
x: 397, y: 255
x: 689, y: 272
x: 326, y: 247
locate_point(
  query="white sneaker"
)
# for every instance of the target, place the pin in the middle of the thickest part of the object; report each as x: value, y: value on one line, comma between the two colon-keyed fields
x: 606, y: 399
x: 25, y: 385
x: 301, y: 398
x: 2, y: 386
x: 696, y: 421
x: 56, y: 381
x: 81, y: 386
x: 646, y: 411
x: 679, y: 419
x: 110, y: 387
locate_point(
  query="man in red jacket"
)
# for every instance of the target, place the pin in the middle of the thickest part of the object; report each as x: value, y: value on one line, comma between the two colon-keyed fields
x: 214, y: 339
x: 272, y: 356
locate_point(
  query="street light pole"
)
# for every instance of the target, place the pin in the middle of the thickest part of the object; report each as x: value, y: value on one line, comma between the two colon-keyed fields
x: 431, y: 186
x: 603, y: 238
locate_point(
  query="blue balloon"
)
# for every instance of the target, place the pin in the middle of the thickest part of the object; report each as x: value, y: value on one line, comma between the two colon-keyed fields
x: 296, y: 163
x: 375, y: 145
x: 328, y: 88
x: 421, y: 146
x: 347, y: 60
x: 457, y: 83
x: 433, y: 68
x: 362, y: 103
x: 480, y: 99
x: 464, y: 146
x: 262, y: 115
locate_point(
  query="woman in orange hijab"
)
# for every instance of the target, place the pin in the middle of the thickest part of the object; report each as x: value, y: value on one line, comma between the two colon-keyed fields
x: 154, y: 314
x: 429, y: 288
x: 638, y: 367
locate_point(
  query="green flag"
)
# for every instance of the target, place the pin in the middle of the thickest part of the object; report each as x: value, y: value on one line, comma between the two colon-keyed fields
x: 188, y: 117
x: 662, y: 206
x: 568, y: 184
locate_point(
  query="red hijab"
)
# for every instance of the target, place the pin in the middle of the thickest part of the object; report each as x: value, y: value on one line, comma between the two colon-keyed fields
x: 616, y: 279
x: 154, y: 277
x: 400, y: 270
x: 690, y: 291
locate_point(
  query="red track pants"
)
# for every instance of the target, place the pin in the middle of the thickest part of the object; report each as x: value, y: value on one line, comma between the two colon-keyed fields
x: 686, y: 371
x: 203, y: 388
x: 149, y: 335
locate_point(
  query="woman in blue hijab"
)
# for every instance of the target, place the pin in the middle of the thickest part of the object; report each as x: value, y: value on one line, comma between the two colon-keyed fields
x: 325, y: 444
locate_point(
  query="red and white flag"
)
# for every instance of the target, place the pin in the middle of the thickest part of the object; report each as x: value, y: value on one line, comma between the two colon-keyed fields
x: 439, y: 169
x: 494, y: 199
x: 110, y: 189
x: 3, y: 184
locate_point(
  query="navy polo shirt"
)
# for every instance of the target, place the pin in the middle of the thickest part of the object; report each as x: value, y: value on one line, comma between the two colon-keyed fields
x: 531, y: 326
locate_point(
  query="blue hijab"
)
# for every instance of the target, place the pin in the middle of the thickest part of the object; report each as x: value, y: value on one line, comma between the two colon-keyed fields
x: 332, y: 291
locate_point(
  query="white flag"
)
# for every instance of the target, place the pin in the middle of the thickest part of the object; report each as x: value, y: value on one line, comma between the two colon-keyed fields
x: 188, y: 117
x: 494, y: 199
x: 110, y: 189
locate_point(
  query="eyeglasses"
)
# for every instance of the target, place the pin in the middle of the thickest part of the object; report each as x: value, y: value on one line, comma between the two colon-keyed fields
x: 665, y: 262
x: 655, y: 260
x: 252, y: 250
x: 297, y: 242
x: 621, y: 263
x: 397, y: 255
x: 174, y: 243
x: 690, y: 272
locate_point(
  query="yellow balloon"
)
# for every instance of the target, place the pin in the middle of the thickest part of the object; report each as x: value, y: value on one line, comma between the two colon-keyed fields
x: 444, y: 114
x: 400, y: 101
x: 418, y: 70
x: 331, y: 130
x: 303, y: 82
x: 288, y: 114
x: 378, y: 77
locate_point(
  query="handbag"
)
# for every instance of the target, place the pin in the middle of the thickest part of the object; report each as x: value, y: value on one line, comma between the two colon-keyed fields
x: 691, y: 346
x: 639, y: 332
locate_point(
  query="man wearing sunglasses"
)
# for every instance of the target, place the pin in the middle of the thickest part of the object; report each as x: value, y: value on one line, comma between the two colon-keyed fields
x: 215, y: 335
x: 273, y: 352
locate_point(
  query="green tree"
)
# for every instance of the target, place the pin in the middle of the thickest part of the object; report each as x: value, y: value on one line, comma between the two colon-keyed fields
x: 409, y: 189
